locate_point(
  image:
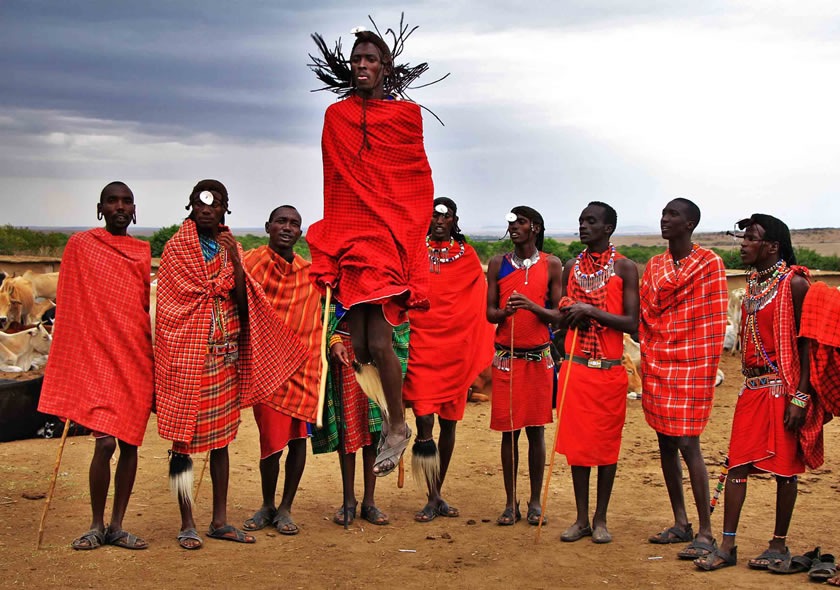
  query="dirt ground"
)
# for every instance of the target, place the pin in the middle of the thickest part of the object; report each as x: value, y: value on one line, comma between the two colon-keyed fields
x: 469, y: 551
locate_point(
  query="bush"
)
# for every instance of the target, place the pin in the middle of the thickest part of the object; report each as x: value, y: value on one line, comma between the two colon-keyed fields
x: 21, y: 240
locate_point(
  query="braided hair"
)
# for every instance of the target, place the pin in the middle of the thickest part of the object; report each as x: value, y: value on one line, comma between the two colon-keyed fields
x: 456, y: 231
x: 775, y: 230
x: 208, y: 185
x: 534, y: 217
x: 332, y: 68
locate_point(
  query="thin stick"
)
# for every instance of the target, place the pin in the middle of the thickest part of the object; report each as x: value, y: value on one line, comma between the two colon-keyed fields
x: 401, y: 475
x: 556, y: 434
x: 510, y: 413
x: 52, y: 484
x: 339, y: 390
x: 322, y: 386
x: 201, y: 476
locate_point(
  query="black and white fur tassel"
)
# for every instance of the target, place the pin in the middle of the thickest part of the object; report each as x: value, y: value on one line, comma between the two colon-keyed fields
x: 425, y: 462
x: 181, y: 476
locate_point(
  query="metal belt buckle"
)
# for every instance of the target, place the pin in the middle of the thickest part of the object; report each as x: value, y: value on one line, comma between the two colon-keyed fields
x: 533, y: 356
x: 594, y: 363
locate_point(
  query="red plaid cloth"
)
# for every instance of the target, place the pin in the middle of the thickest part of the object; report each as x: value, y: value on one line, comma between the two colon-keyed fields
x: 452, y: 342
x: 821, y: 323
x: 268, y: 351
x: 588, y: 341
x: 100, y: 364
x: 298, y: 303
x: 355, y: 407
x: 370, y: 246
x: 681, y: 328
x: 218, y: 416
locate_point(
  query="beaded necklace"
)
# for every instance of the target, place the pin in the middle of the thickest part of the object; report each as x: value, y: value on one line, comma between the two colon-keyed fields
x: 759, y: 294
x: 525, y: 263
x: 593, y: 281
x: 435, y: 255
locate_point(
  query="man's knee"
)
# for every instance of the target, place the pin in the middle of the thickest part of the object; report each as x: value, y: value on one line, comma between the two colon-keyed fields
x: 106, y: 445
x: 425, y: 425
x: 381, y: 348
x: 783, y: 480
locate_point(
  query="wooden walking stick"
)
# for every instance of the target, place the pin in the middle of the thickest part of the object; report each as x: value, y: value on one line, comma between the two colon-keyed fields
x: 510, y: 413
x: 556, y: 433
x: 339, y: 389
x: 52, y: 484
x: 201, y: 477
x: 325, y: 367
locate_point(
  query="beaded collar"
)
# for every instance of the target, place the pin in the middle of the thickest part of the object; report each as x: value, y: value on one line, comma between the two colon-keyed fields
x: 596, y: 280
x: 763, y: 286
x: 436, y: 258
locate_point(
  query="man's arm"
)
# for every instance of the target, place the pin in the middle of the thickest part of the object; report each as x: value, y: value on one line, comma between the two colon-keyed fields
x: 794, y: 415
x: 581, y: 313
x: 494, y: 314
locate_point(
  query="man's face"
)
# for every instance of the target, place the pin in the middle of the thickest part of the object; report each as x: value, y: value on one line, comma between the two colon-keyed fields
x: 591, y: 225
x: 367, y: 68
x: 441, y: 226
x: 753, y: 245
x: 283, y: 228
x: 117, y: 206
x: 208, y: 217
x: 521, y: 230
x: 674, y: 222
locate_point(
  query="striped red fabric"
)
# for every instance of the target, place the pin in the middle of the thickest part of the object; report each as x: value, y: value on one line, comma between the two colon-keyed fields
x: 378, y: 195
x: 268, y: 351
x: 820, y: 322
x: 298, y: 303
x: 681, y: 330
x: 99, y: 372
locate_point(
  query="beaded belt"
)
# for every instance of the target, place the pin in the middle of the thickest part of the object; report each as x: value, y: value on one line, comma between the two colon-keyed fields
x: 229, y: 350
x: 595, y: 363
x: 760, y: 381
x: 757, y: 371
x: 501, y: 360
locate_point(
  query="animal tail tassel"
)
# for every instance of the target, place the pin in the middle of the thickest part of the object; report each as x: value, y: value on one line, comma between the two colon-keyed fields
x: 425, y: 462
x: 181, y: 477
x: 367, y: 375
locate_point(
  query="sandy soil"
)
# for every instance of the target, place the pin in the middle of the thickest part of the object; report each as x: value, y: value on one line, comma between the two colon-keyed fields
x: 479, y: 553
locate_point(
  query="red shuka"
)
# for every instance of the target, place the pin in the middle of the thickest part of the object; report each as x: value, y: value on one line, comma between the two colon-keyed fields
x: 452, y: 342
x: 268, y: 351
x: 821, y: 323
x: 99, y: 372
x: 533, y: 381
x: 683, y: 322
x: 378, y: 194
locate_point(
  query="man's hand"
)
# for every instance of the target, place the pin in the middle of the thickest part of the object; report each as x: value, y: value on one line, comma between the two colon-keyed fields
x: 578, y: 314
x: 227, y: 240
x: 794, y: 417
x: 518, y: 301
x: 338, y: 352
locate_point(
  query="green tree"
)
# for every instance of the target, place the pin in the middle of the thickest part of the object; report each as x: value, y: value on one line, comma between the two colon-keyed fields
x: 160, y: 237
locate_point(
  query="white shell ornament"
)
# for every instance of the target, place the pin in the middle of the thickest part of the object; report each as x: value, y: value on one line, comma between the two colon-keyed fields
x: 527, y: 263
x: 357, y: 30
x: 206, y: 197
x: 510, y: 217
x: 441, y: 208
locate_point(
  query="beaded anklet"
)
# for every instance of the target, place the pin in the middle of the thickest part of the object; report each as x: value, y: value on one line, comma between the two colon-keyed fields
x: 779, y: 537
x: 725, y: 534
x: 738, y: 479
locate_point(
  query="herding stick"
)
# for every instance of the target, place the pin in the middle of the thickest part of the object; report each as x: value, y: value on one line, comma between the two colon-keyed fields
x: 52, y: 484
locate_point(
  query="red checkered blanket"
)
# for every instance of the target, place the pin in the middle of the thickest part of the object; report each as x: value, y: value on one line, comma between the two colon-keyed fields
x: 268, y: 351
x: 821, y: 323
x: 378, y: 197
x: 681, y: 328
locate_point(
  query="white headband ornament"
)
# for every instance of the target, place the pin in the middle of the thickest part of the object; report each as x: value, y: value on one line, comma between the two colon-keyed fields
x: 510, y: 217
x: 441, y: 208
x: 206, y: 197
x: 357, y: 30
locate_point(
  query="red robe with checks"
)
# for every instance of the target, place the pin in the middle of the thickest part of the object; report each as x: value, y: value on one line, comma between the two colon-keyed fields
x: 681, y: 328
x: 99, y: 372
x: 268, y: 351
x: 378, y: 195
x: 821, y: 323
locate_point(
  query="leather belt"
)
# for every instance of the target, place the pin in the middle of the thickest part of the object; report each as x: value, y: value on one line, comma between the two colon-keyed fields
x: 757, y: 371
x: 595, y: 363
x: 223, y: 348
x: 529, y: 354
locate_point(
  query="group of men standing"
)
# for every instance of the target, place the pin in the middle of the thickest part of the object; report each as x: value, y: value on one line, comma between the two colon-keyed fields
x: 409, y: 323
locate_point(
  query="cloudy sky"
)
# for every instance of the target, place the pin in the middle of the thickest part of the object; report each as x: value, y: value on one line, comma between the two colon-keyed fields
x: 550, y: 104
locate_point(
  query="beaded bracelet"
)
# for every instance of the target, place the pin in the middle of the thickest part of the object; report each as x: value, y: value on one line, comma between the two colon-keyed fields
x: 335, y: 339
x: 800, y: 399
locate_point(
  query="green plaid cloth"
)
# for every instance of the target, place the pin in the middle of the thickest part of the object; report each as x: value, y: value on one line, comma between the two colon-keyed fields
x: 325, y: 440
